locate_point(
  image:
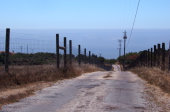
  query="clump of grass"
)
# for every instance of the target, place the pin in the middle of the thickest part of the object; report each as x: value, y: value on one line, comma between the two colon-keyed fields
x: 154, y: 76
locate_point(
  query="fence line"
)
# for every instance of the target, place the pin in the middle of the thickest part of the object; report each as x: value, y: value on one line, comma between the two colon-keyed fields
x: 157, y: 56
x: 38, y: 52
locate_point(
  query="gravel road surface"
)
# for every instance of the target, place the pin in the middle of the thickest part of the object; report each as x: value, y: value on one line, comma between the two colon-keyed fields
x: 103, y: 91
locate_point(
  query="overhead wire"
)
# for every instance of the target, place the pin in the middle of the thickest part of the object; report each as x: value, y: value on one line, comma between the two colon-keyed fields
x: 133, y: 23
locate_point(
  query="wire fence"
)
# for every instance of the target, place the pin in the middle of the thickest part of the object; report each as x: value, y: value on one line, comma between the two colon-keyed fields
x: 157, y: 56
x: 19, y: 51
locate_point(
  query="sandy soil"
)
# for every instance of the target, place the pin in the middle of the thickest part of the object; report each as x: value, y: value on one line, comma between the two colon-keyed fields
x: 112, y: 91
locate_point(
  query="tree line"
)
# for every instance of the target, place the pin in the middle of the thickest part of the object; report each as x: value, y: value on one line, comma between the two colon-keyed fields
x: 46, y: 58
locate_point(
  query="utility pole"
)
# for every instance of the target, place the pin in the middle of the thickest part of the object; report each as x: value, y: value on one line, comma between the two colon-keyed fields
x: 125, y: 37
x: 119, y: 47
x: 27, y: 49
x: 119, y: 55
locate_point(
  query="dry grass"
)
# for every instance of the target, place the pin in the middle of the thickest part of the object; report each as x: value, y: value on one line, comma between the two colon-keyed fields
x: 157, y: 98
x: 14, y: 98
x: 15, y: 93
x: 23, y: 80
x: 154, y: 76
x: 158, y: 87
x: 19, y: 75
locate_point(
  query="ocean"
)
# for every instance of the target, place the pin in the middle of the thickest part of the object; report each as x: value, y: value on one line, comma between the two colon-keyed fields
x: 102, y: 42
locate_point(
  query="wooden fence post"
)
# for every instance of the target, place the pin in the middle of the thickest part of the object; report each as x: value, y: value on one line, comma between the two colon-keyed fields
x: 169, y: 55
x: 85, y: 55
x: 57, y: 50
x: 148, y: 58
x: 151, y: 57
x: 7, y: 50
x: 163, y: 56
x: 92, y: 57
x: 154, y: 61
x: 89, y: 56
x: 65, y: 53
x: 159, y: 55
x: 79, y: 54
x: 70, y: 46
x: 141, y: 59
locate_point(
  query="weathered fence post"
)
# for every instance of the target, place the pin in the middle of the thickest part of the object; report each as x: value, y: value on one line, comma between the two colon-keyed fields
x: 95, y: 59
x: 148, y: 58
x: 92, y: 58
x: 57, y: 50
x: 169, y: 55
x: 85, y: 55
x: 151, y: 57
x: 79, y: 54
x: 7, y: 50
x: 154, y: 61
x: 89, y: 56
x: 163, y: 56
x: 70, y: 46
x: 141, y: 58
x: 65, y: 53
x: 159, y: 55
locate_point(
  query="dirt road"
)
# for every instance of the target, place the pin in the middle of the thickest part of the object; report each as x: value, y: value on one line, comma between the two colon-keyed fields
x: 112, y: 91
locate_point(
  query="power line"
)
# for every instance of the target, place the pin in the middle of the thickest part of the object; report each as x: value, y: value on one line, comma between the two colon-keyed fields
x: 133, y: 22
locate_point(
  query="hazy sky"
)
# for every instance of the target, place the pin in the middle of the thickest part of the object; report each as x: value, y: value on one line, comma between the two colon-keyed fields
x: 83, y: 14
x: 89, y: 14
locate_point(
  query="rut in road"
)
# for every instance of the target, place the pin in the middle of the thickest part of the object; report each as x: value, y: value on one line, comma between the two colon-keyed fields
x: 103, y: 91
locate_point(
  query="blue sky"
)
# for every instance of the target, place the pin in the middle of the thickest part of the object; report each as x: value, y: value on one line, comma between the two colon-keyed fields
x: 83, y: 14
x: 107, y: 15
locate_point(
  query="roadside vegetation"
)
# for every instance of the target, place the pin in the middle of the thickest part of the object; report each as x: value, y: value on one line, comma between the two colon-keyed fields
x: 22, y: 81
x: 154, y: 76
x: 32, y: 72
x: 41, y: 58
x: 129, y: 57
